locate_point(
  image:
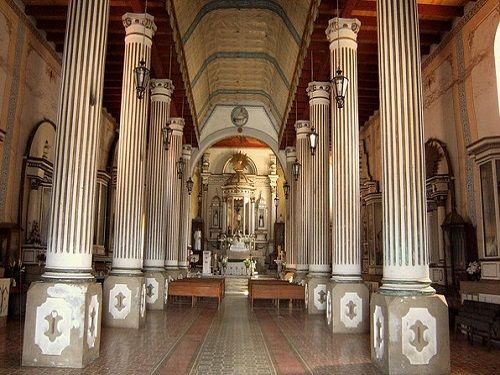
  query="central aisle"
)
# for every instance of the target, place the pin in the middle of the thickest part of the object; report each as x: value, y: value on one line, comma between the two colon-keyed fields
x: 234, y: 344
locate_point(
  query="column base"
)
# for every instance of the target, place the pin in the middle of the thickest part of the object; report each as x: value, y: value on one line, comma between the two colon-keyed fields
x: 156, y: 289
x: 62, y: 324
x: 348, y: 305
x: 316, y: 289
x: 124, y: 301
x: 410, y: 334
x: 173, y: 273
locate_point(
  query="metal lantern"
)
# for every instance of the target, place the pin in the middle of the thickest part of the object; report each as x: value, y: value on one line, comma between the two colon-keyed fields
x: 189, y: 185
x: 313, y: 141
x: 286, y: 189
x: 141, y: 79
x: 296, y: 169
x: 276, y: 201
x: 180, y: 168
x: 340, y: 84
x: 167, y: 136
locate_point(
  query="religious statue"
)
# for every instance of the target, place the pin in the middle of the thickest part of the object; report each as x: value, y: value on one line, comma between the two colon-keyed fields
x: 197, y: 239
x: 215, y: 222
x: 261, y: 221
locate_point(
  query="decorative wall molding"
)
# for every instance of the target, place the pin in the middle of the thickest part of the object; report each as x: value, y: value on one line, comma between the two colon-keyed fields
x: 93, y: 321
x: 53, y: 326
x: 329, y: 307
x: 419, y: 339
x: 152, y: 288
x: 120, y: 301
x: 320, y: 296
x: 351, y: 308
x: 378, y: 332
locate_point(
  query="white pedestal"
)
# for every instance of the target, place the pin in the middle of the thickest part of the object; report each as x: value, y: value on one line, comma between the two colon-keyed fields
x: 207, y: 260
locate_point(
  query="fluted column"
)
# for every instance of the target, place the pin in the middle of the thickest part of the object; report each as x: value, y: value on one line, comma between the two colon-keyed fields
x: 348, y: 296
x: 406, y: 262
x: 345, y: 153
x: 290, y: 229
x: 317, y: 199
x: 185, y: 212
x: 303, y: 128
x: 129, y: 211
x: 319, y: 117
x: 125, y: 288
x: 161, y: 92
x: 409, y: 322
x: 173, y: 194
x: 154, y: 258
x: 68, y: 297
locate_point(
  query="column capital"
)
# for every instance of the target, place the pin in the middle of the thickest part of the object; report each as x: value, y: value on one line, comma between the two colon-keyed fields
x: 319, y: 90
x: 176, y: 124
x: 139, y: 27
x: 345, y: 29
x: 161, y: 89
x: 303, y: 128
x: 291, y: 154
x: 187, y: 151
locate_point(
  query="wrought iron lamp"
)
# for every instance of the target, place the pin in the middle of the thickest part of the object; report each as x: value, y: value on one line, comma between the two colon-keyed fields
x: 313, y: 140
x: 189, y: 185
x: 339, y: 82
x: 141, y: 72
x: 180, y: 167
x: 296, y: 169
x: 167, y: 136
x: 286, y: 189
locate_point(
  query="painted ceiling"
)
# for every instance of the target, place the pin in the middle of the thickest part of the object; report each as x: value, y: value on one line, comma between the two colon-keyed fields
x: 241, y: 52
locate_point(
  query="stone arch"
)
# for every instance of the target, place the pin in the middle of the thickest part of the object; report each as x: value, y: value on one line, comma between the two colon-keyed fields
x: 226, y: 133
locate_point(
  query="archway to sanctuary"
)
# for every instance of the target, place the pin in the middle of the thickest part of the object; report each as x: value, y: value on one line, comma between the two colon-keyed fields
x: 237, y: 205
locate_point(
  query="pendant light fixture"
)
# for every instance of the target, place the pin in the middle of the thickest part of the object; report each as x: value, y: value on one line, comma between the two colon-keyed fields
x: 286, y: 189
x: 296, y: 169
x: 141, y: 72
x: 167, y: 136
x: 339, y: 82
x: 313, y: 135
x: 189, y: 185
x: 180, y: 168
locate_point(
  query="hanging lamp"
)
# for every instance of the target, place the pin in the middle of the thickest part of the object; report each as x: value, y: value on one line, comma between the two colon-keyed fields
x: 141, y: 72
x: 339, y: 82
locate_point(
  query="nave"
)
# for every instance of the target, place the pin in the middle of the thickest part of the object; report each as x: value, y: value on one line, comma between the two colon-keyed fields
x: 234, y: 340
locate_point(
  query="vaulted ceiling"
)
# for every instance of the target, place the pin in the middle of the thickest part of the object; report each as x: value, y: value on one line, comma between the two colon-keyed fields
x: 245, y: 51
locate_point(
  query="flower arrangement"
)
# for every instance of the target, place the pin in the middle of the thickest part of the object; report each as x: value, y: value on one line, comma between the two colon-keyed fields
x: 224, y: 261
x: 474, y: 270
x: 247, y: 262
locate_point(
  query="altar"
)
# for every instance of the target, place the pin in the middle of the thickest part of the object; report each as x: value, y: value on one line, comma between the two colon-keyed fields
x: 236, y: 269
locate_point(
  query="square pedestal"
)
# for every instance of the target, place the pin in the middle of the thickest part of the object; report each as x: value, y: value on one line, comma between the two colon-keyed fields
x: 348, y: 307
x: 155, y: 290
x: 4, y: 301
x: 315, y: 298
x: 62, y: 325
x: 124, y: 301
x: 410, y: 334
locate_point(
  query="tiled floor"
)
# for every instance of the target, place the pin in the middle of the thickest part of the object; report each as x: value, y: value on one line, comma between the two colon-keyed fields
x: 234, y: 340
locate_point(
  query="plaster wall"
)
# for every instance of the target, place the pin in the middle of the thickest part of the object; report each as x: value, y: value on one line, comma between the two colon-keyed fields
x: 30, y: 73
x: 460, y: 100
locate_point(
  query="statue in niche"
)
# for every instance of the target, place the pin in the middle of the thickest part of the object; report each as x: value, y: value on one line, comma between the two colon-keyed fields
x: 261, y: 221
x: 197, y: 239
x: 215, y: 221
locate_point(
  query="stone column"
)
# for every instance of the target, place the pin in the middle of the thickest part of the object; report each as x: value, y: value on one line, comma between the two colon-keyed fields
x: 224, y: 215
x: 348, y: 296
x: 161, y: 93
x: 290, y: 229
x: 273, y: 183
x: 409, y: 322
x: 68, y: 298
x: 303, y: 128
x: 441, y: 217
x: 125, y: 288
x: 185, y: 211
x: 173, y: 197
x: 318, y: 218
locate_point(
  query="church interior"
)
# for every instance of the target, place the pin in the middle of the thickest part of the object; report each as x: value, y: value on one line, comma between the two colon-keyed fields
x: 249, y: 187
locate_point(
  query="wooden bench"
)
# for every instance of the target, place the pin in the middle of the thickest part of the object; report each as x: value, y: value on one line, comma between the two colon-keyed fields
x: 198, y: 287
x: 274, y: 289
x: 479, y: 319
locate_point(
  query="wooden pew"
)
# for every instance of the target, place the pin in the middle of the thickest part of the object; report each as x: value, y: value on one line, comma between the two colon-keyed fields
x: 274, y: 289
x: 198, y: 287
